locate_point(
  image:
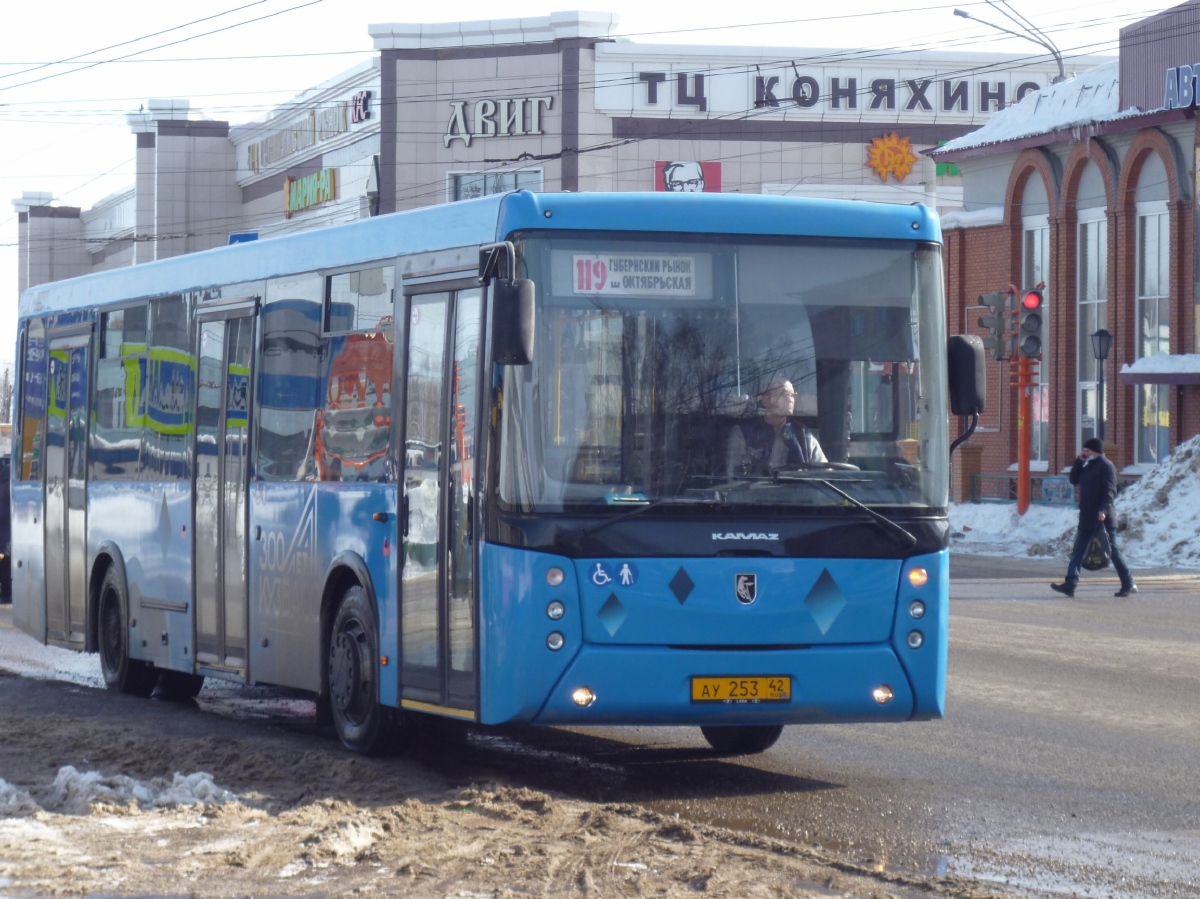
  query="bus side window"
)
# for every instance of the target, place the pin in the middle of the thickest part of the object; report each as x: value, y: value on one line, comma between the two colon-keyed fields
x: 170, y: 392
x: 119, y: 395
x: 290, y: 378
x: 354, y: 427
x: 33, y: 403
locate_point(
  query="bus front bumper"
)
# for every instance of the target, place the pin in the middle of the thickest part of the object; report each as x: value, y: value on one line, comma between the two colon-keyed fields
x: 654, y: 685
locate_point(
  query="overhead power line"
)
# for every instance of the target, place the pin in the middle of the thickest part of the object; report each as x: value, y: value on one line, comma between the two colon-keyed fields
x: 37, y: 66
x: 162, y: 46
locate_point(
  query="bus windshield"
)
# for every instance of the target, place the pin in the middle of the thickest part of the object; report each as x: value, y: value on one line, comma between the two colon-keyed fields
x: 727, y: 370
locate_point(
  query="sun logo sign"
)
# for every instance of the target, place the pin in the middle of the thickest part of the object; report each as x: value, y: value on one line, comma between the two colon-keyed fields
x: 891, y: 155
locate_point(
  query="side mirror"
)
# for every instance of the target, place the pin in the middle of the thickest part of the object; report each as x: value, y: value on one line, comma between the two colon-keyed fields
x: 512, y: 321
x: 967, y: 369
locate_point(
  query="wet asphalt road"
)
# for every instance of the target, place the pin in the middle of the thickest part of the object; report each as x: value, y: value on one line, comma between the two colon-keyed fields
x: 1068, y: 762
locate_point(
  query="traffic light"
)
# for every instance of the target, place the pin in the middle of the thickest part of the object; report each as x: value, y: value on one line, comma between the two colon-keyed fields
x: 1031, y: 328
x: 997, y: 323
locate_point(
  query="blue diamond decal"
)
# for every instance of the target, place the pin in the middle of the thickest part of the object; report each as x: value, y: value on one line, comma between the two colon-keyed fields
x: 681, y: 585
x: 825, y: 601
x: 612, y: 614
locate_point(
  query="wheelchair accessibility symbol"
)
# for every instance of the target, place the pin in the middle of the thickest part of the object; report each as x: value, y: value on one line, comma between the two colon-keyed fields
x: 602, y: 576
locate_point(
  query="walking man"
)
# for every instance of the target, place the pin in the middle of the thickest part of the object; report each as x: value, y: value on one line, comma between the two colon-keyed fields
x: 1097, y: 480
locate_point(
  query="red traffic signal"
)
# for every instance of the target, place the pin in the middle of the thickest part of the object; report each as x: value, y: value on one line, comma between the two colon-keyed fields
x: 1031, y: 330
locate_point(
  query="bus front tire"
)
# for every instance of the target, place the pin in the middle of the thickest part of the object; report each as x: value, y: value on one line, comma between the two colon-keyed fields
x: 362, y: 724
x: 742, y: 739
x: 121, y: 673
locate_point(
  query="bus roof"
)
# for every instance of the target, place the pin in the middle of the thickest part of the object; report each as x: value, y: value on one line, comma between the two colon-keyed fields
x: 718, y: 214
x: 482, y: 221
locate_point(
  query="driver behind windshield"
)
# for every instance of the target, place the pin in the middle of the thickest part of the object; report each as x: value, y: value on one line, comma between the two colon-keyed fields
x: 773, y: 441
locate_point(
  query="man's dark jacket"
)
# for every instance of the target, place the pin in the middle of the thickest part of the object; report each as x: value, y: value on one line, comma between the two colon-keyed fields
x: 1097, y: 480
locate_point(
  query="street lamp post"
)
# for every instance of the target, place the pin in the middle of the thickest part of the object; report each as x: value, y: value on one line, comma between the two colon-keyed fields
x: 1032, y: 34
x: 1101, y: 343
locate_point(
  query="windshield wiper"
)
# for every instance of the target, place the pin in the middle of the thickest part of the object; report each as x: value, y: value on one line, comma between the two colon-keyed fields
x: 802, y: 477
x: 575, y: 537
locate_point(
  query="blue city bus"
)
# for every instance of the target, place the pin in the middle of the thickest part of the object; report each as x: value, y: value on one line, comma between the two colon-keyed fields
x: 500, y: 460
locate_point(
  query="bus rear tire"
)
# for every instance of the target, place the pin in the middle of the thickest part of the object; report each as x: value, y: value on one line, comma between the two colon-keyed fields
x: 362, y: 724
x: 121, y: 673
x: 742, y: 739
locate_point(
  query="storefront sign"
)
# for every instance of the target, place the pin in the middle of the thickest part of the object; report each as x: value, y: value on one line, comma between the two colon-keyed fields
x: 495, y: 118
x: 309, y: 129
x: 787, y: 91
x: 1181, y: 87
x: 891, y: 155
x: 687, y: 176
x: 311, y: 190
x: 360, y: 107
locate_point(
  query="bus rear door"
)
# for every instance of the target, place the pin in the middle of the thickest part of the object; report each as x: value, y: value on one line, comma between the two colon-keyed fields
x: 66, y: 489
x: 224, y: 357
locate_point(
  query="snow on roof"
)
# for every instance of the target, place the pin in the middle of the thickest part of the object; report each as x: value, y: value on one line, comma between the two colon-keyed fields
x: 1163, y: 368
x: 972, y: 218
x: 1082, y: 100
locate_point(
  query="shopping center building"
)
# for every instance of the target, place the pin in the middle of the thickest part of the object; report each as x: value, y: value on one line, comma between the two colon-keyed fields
x: 556, y: 103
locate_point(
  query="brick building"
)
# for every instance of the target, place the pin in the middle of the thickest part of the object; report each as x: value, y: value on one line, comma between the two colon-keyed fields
x: 1090, y: 186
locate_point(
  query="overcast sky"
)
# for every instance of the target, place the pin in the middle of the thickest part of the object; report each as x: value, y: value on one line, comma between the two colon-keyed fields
x: 70, y: 72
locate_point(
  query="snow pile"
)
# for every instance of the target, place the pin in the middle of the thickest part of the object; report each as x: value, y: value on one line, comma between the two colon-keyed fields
x: 73, y: 792
x: 1162, y: 510
x: 997, y: 529
x: 15, y: 802
x: 1158, y: 520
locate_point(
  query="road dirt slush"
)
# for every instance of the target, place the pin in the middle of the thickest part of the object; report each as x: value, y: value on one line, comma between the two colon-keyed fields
x: 106, y: 794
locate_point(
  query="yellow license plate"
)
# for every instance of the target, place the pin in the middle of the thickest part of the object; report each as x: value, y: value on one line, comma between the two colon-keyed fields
x: 742, y: 689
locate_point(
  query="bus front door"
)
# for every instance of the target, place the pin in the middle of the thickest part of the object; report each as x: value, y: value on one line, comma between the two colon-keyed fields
x: 438, y: 612
x: 66, y: 490
x: 224, y: 357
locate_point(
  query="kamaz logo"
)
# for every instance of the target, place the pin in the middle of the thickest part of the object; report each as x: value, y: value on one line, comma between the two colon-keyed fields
x: 740, y: 536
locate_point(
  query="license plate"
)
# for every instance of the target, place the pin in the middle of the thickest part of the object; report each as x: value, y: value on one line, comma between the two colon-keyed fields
x: 742, y: 689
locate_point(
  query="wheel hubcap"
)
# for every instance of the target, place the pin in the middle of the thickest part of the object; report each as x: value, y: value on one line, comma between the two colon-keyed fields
x: 349, y: 680
x: 110, y: 640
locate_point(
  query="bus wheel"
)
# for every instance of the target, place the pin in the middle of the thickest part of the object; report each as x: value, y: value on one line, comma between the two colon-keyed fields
x: 742, y: 739
x: 361, y: 722
x: 178, y: 686
x: 121, y: 673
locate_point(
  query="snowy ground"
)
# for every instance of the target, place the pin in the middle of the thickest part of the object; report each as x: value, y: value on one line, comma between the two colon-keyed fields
x: 1158, y: 521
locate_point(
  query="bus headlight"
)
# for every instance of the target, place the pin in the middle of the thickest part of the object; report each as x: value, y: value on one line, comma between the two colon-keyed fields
x: 883, y: 694
x: 555, y: 577
x: 555, y: 610
x: 555, y: 641
x: 918, y: 577
x: 916, y: 609
x: 915, y: 639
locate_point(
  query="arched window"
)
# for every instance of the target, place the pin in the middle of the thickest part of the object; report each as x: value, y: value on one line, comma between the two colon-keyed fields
x: 1091, y: 291
x: 1152, y: 322
x: 1035, y: 269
